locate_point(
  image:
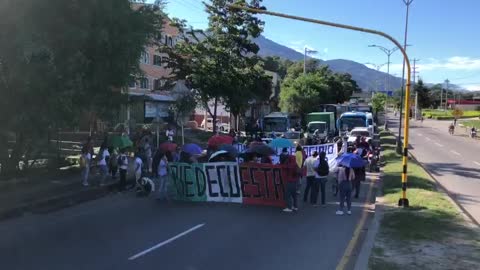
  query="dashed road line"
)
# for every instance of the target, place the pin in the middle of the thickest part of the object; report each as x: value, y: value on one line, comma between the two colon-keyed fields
x: 428, y: 139
x: 454, y: 152
x: 440, y: 145
x: 140, y: 254
x: 478, y: 163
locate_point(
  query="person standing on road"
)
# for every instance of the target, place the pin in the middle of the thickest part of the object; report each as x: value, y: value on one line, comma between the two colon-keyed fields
x: 147, y: 149
x: 345, y: 176
x: 113, y: 166
x: 123, y: 167
x: 360, y: 175
x: 162, y: 173
x: 85, y: 160
x: 138, y: 167
x: 103, y: 158
x: 310, y: 167
x: 290, y: 165
x: 170, y: 133
x: 321, y: 177
x: 299, y: 158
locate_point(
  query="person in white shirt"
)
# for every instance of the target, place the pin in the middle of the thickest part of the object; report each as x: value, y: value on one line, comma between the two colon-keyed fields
x: 123, y: 167
x: 138, y: 167
x: 86, y: 158
x: 163, y: 177
x: 309, y: 165
x: 170, y: 133
x: 102, y: 162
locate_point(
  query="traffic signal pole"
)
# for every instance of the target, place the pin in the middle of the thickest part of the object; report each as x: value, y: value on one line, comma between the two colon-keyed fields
x: 403, y: 201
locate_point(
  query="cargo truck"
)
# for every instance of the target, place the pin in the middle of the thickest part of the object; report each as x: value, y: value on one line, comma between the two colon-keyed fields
x: 324, y: 122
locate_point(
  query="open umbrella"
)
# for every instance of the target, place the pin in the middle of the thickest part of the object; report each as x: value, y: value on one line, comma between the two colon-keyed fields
x: 168, y: 146
x: 281, y: 143
x: 231, y: 150
x: 217, y: 140
x: 120, y: 142
x: 192, y: 149
x: 217, y: 154
x: 263, y: 150
x: 351, y: 160
x: 255, y: 143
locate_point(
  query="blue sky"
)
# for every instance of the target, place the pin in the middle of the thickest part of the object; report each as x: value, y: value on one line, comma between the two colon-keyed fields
x: 444, y: 34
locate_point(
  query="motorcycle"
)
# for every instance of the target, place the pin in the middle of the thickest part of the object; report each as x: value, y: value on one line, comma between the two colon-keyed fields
x: 373, y: 158
x: 473, y: 134
x: 451, y: 130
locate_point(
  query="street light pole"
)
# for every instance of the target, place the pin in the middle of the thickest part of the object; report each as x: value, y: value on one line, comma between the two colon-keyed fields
x: 377, y: 67
x: 306, y: 52
x: 399, y: 140
x: 388, y: 52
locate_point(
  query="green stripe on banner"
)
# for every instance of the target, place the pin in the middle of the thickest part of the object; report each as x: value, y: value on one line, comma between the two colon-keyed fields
x: 187, y: 182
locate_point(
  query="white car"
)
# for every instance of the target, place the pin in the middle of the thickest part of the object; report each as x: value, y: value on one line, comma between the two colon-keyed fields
x: 358, y: 131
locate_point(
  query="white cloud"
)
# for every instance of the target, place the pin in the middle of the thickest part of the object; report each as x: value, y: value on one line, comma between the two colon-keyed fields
x: 453, y: 63
x: 472, y: 87
x: 325, y: 50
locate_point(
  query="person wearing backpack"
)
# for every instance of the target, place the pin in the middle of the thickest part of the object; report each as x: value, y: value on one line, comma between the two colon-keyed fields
x: 345, y: 176
x: 321, y: 176
x: 123, y: 167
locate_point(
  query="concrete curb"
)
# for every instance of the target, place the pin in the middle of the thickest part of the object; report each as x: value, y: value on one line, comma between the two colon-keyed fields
x: 372, y: 230
x: 57, y: 202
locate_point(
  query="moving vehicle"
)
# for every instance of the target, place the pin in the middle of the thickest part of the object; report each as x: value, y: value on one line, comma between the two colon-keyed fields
x: 336, y: 109
x: 361, y: 108
x: 372, y: 126
x: 279, y: 123
x: 321, y: 122
x: 351, y: 120
x: 356, y: 132
x: 209, y: 123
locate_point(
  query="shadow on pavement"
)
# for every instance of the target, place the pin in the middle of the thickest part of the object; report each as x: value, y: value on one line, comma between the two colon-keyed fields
x: 439, y: 169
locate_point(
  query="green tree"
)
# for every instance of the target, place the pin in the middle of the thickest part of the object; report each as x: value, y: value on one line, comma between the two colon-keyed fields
x: 303, y: 94
x: 222, y: 64
x: 61, y: 58
x: 378, y: 102
x: 424, y: 97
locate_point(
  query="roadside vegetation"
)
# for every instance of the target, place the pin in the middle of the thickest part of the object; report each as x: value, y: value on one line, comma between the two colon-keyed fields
x: 431, y: 234
x: 472, y: 123
x: 447, y: 115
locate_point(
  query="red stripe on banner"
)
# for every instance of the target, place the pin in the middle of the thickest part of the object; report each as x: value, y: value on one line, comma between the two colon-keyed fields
x: 263, y: 184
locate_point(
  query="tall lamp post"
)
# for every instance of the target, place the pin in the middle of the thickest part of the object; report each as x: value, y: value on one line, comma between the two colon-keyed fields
x: 377, y: 67
x: 388, y: 52
x: 307, y: 52
x: 399, y: 140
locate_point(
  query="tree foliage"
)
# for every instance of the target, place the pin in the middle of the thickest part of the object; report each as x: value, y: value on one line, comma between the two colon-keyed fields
x: 302, y: 93
x: 424, y: 97
x: 222, y: 63
x: 61, y: 58
x: 378, y: 102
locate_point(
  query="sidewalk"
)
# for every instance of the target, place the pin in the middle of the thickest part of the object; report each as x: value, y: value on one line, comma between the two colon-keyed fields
x: 51, y: 192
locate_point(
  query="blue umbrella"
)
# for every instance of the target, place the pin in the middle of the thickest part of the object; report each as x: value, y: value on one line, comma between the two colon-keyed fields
x: 192, y: 149
x: 281, y: 143
x: 351, y: 160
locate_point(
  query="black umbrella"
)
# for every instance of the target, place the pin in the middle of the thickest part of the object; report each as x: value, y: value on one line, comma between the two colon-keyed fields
x: 230, y: 149
x: 263, y: 150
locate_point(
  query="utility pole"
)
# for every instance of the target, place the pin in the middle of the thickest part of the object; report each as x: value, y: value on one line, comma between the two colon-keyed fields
x: 307, y: 51
x: 399, y: 140
x: 416, y: 92
x: 446, y: 93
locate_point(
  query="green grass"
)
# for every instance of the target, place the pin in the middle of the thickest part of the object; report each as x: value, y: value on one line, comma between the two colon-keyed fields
x: 446, y: 115
x: 431, y: 214
x: 472, y: 123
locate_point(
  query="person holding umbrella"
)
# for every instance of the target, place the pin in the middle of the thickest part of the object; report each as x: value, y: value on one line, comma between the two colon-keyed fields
x: 345, y: 176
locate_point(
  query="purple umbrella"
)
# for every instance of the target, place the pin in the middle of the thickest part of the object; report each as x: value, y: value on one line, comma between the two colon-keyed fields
x: 192, y: 149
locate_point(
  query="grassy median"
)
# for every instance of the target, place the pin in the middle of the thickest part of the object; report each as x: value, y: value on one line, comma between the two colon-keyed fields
x: 431, y: 234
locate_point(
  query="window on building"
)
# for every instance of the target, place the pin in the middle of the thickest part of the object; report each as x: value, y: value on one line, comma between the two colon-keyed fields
x: 158, y: 84
x: 164, y: 60
x: 170, y: 41
x: 166, y: 40
x: 157, y: 60
x: 144, y: 58
x: 144, y: 83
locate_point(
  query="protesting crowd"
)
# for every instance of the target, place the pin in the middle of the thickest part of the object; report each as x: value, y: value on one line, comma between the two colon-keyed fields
x: 149, y: 165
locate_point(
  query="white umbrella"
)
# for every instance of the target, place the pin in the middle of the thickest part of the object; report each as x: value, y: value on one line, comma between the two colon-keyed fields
x: 216, y: 154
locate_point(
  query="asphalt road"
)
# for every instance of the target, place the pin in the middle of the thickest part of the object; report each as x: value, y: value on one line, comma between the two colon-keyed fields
x: 112, y: 233
x: 453, y: 160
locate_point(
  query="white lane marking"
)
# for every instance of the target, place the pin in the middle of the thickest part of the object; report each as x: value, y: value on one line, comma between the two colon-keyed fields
x: 428, y: 139
x: 437, y: 144
x: 420, y: 134
x: 478, y: 163
x: 166, y: 242
x: 456, y: 153
x: 354, y: 204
